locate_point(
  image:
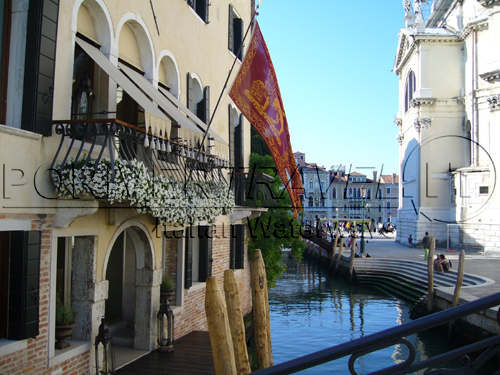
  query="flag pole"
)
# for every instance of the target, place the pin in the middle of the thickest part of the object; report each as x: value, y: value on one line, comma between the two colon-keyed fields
x: 255, y: 13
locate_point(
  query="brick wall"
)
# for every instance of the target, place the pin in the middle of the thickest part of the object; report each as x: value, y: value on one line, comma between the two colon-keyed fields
x: 33, y: 359
x: 192, y: 317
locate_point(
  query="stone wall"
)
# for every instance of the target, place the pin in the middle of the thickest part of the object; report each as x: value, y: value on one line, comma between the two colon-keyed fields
x: 33, y: 358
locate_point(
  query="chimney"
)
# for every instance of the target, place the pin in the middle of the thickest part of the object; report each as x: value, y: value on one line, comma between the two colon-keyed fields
x: 394, y: 178
x: 374, y: 176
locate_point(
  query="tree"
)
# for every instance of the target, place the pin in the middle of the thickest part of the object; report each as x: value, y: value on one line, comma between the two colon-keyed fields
x: 276, y: 229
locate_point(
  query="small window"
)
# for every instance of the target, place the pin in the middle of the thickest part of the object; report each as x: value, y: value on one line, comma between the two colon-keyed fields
x: 483, y: 190
x: 388, y: 190
x: 301, y: 157
x: 201, y: 8
x: 388, y: 205
x: 409, y: 90
x: 235, y: 34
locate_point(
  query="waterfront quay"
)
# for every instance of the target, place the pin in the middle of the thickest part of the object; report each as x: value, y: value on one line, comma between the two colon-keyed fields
x: 402, y: 270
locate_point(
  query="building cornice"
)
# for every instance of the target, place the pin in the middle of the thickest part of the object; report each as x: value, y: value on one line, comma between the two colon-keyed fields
x: 491, y: 77
x: 488, y: 3
x: 417, y: 102
x: 477, y: 25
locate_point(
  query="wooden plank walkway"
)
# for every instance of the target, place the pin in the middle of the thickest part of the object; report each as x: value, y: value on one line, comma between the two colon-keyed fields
x: 192, y: 355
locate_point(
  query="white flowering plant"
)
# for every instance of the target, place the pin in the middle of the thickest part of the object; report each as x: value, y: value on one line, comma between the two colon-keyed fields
x: 169, y: 201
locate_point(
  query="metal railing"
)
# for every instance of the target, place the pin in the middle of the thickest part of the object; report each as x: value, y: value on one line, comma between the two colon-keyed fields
x: 111, y: 138
x: 489, y: 347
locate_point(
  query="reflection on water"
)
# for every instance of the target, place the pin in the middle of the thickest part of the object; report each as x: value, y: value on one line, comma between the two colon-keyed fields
x: 311, y: 311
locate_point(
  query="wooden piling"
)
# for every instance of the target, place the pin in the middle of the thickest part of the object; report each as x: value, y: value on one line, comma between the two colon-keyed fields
x: 460, y: 278
x: 430, y: 275
x: 235, y: 317
x: 218, y: 328
x: 339, y: 256
x: 458, y: 286
x: 353, y: 253
x: 334, y: 249
x: 261, y: 317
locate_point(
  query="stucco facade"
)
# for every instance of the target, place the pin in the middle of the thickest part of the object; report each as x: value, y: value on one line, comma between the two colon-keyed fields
x: 447, y: 85
x: 102, y: 257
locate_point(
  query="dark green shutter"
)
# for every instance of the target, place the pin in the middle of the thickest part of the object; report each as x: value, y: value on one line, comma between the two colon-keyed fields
x: 206, y: 17
x: 24, y: 284
x: 39, y: 66
x: 188, y: 277
x: 238, y: 155
x: 206, y: 260
x: 239, y: 251
x: 231, y: 136
x: 206, y: 100
x: 238, y: 37
x: 232, y: 245
x: 230, y: 40
x: 190, y: 96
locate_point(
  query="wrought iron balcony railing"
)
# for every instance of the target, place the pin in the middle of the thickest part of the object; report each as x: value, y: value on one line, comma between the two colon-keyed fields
x: 485, y: 349
x: 84, y: 140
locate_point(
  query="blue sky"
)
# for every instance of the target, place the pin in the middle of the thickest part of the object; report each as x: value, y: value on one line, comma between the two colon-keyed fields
x: 333, y: 60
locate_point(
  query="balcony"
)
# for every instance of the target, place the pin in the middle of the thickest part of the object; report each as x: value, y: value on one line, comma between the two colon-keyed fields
x: 177, y: 180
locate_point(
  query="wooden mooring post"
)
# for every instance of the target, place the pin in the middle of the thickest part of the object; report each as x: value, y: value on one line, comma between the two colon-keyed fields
x: 218, y: 328
x: 341, y: 248
x: 236, y: 324
x: 261, y: 318
x: 334, y: 249
x: 458, y: 286
x: 353, y: 255
x: 430, y: 275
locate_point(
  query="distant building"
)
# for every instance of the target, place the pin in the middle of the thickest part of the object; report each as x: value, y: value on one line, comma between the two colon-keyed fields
x: 334, y: 195
x: 449, y: 94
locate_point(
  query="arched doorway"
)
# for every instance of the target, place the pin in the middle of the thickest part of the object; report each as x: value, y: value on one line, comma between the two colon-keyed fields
x: 131, y: 294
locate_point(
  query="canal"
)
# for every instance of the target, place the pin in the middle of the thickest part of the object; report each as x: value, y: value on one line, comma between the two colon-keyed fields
x: 310, y: 310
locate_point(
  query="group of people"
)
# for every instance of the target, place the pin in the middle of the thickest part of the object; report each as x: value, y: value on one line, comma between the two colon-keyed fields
x: 441, y: 263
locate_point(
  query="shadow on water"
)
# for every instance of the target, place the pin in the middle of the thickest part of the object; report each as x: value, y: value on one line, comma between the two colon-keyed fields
x: 311, y: 310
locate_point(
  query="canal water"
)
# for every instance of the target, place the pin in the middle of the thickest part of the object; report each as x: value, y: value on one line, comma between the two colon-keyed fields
x: 310, y: 310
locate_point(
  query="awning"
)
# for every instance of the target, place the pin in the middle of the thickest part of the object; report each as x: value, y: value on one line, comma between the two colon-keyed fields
x: 154, y: 117
x: 171, y: 106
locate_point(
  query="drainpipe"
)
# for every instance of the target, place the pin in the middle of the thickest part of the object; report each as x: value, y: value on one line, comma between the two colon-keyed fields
x: 474, y: 112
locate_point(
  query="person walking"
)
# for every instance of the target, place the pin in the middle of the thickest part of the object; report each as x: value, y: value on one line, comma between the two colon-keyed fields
x: 426, y: 241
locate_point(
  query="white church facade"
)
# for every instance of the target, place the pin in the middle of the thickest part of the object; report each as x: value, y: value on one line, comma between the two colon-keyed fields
x: 448, y: 64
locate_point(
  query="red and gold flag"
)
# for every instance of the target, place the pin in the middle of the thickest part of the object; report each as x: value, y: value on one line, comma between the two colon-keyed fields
x: 257, y: 95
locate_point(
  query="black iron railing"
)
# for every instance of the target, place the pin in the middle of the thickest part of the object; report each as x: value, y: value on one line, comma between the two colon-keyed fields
x: 85, y: 140
x: 488, y: 348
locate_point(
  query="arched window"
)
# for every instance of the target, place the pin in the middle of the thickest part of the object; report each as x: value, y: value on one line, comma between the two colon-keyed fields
x: 409, y: 90
x: 345, y: 207
x: 310, y: 201
x: 369, y: 194
x: 358, y: 193
x: 316, y: 202
x: 334, y: 193
x: 344, y: 193
x: 350, y: 192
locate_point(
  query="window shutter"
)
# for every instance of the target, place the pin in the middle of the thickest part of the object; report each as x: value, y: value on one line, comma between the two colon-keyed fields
x: 238, y: 37
x: 232, y: 246
x: 206, y: 260
x: 206, y: 100
x: 239, y: 161
x: 231, y: 137
x: 24, y: 281
x: 39, y: 66
x: 188, y: 277
x: 207, y: 8
x: 239, y: 259
x: 190, y: 96
x: 231, y: 29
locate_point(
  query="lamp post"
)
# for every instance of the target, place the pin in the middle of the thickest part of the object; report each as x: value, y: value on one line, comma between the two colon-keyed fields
x: 108, y: 350
x: 363, y: 206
